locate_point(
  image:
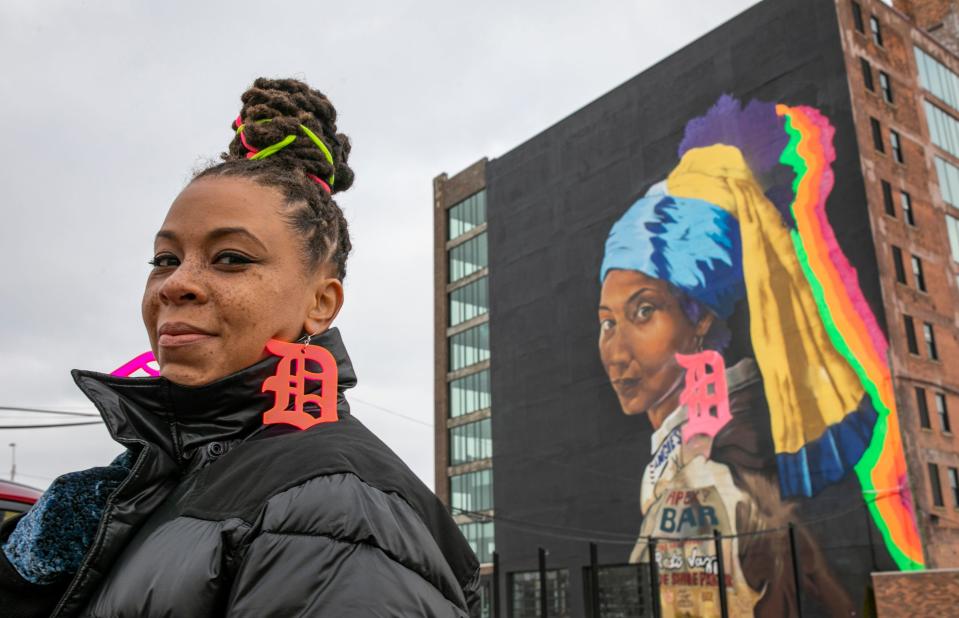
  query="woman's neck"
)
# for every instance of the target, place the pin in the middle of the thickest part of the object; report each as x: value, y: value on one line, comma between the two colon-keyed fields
x: 658, y: 412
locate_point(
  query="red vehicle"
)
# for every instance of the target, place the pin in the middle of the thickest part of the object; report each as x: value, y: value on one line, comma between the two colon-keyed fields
x: 16, y: 498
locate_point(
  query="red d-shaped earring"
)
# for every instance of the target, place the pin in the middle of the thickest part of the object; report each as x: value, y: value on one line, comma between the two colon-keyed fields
x: 290, y: 381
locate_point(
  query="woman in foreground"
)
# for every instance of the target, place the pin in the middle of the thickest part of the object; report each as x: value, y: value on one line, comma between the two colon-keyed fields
x: 247, y: 488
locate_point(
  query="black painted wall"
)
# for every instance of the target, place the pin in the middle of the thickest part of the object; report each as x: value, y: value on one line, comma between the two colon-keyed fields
x: 567, y: 462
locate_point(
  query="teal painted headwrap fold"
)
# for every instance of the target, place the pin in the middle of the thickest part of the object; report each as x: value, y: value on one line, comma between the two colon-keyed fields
x: 690, y: 243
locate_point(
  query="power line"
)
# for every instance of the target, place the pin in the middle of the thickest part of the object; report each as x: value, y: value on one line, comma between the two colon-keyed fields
x: 52, y: 425
x: 393, y: 412
x: 46, y: 411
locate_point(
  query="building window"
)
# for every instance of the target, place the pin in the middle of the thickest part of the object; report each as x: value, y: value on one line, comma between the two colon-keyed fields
x: 469, y: 257
x: 472, y: 492
x: 917, y: 275
x: 480, y: 537
x: 930, y: 337
x: 934, y: 484
x: 898, y: 263
x: 887, y: 202
x: 948, y: 181
x: 923, y: 406
x: 943, y: 128
x: 911, y: 342
x: 954, y: 485
x: 524, y: 590
x: 896, y: 146
x: 952, y: 228
x: 937, y: 78
x: 469, y: 394
x: 877, y: 135
x: 867, y: 74
x: 885, y: 84
x: 469, y: 347
x: 471, y: 442
x: 905, y: 200
x: 943, y: 411
x: 464, y: 216
x: 876, y: 28
x: 469, y: 301
x: 857, y: 17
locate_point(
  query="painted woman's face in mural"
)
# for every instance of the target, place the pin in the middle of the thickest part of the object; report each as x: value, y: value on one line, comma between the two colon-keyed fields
x: 641, y: 328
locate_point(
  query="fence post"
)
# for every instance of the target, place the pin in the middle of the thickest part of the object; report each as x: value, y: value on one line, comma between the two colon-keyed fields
x: 797, y: 580
x: 594, y: 580
x: 496, y: 613
x: 654, y: 578
x: 721, y: 573
x: 543, y: 606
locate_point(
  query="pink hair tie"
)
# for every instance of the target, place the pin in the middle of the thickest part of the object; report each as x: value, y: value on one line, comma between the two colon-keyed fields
x: 320, y: 181
x: 239, y: 131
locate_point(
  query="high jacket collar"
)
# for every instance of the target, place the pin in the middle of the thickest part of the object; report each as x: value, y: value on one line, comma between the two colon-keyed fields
x: 180, y: 419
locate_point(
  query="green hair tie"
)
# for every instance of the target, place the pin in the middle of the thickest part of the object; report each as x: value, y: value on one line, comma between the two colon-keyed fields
x: 273, y: 149
x: 326, y: 151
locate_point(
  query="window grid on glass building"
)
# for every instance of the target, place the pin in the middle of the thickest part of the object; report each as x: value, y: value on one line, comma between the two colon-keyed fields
x: 948, y: 181
x: 524, y: 593
x: 937, y: 78
x: 469, y: 393
x: 472, y: 492
x: 943, y: 128
x: 480, y: 537
x: 464, y: 216
x: 468, y: 258
x: 469, y: 347
x: 471, y: 442
x: 469, y: 301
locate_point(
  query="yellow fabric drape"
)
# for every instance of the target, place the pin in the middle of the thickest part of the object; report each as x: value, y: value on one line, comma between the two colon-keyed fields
x: 809, y: 385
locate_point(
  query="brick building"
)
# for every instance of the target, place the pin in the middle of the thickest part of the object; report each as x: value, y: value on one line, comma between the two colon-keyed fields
x: 888, y: 78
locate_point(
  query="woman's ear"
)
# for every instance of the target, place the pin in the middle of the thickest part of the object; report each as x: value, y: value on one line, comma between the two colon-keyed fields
x: 326, y: 301
x: 704, y: 324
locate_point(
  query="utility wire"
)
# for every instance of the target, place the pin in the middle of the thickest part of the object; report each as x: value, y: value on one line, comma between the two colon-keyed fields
x: 46, y: 411
x: 393, y: 412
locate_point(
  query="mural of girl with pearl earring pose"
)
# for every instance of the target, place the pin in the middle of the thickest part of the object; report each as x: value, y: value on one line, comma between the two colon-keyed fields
x: 739, y: 226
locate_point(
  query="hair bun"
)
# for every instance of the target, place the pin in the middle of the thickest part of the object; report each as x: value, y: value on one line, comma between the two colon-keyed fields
x: 273, y: 110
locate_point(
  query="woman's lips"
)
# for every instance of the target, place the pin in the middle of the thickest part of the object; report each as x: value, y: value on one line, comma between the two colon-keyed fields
x: 172, y: 341
x: 175, y: 334
x: 626, y: 386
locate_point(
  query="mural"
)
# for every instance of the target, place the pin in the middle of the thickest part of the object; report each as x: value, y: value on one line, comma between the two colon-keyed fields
x: 730, y: 317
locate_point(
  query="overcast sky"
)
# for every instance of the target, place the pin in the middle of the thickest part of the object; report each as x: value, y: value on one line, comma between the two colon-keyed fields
x: 108, y: 106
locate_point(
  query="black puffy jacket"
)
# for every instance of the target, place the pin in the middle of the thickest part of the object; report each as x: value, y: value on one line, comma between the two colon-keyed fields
x: 222, y: 516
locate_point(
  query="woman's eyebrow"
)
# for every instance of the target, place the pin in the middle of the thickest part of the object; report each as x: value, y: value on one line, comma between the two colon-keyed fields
x: 220, y: 232
x: 635, y: 296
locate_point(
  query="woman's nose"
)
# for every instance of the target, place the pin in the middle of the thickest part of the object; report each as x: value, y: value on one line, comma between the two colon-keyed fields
x: 184, y: 285
x: 614, y: 351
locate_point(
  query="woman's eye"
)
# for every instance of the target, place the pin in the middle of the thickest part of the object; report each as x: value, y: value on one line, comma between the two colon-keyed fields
x: 644, y: 312
x: 606, y: 325
x: 232, y: 259
x: 164, y: 260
